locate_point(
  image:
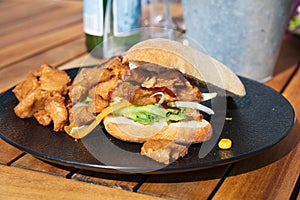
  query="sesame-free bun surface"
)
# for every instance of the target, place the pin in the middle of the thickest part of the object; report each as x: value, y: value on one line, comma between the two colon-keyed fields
x: 184, y: 132
x: 189, y: 61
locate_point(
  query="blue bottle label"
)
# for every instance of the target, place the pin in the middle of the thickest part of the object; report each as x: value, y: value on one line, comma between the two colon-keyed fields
x: 127, y: 16
x: 93, y: 17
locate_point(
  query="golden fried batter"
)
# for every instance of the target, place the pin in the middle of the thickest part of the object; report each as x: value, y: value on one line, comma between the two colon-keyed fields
x: 53, y: 80
x: 31, y: 103
x: 57, y: 110
x: 25, y: 87
x: 43, y: 96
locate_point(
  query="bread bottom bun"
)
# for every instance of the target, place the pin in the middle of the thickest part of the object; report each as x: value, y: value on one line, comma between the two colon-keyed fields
x: 181, y: 132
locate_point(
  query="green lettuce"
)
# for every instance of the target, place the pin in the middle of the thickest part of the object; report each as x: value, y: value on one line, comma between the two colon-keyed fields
x: 149, y: 114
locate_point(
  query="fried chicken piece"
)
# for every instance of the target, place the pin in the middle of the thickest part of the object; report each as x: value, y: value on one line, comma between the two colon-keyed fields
x: 98, y: 102
x: 52, y: 79
x: 163, y: 151
x: 104, y: 89
x: 31, y: 103
x: 42, y: 96
x: 25, y: 87
x: 44, y: 107
x: 43, y: 117
x: 57, y: 110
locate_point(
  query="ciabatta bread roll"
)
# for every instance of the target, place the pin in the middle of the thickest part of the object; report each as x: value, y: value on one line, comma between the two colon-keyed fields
x: 189, y: 61
x: 180, y: 132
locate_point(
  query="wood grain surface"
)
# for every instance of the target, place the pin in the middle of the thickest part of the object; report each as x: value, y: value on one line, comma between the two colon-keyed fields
x: 38, y: 31
x: 25, y: 184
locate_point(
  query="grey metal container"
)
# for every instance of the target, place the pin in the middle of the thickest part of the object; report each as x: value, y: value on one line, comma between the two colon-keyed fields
x: 245, y: 35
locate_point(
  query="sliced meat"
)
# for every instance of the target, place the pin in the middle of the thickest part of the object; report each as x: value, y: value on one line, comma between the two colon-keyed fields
x: 163, y: 151
x: 97, y: 83
x: 124, y: 90
x: 144, y: 96
x: 137, y: 76
x: 88, y: 78
x: 153, y: 79
x: 193, y: 114
x: 82, y: 115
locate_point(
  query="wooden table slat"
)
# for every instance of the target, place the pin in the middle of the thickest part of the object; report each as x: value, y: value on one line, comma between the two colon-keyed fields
x: 31, y: 163
x: 56, y: 19
x: 8, y: 152
x: 25, y: 184
x: 191, y: 185
x: 41, y: 43
x: 56, y: 56
x: 292, y: 92
x: 288, y: 58
x: 23, y: 12
x: 121, y: 181
x: 257, y: 178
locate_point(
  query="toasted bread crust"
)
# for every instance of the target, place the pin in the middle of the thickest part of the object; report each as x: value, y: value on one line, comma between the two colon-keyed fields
x: 187, y: 60
x: 141, y: 133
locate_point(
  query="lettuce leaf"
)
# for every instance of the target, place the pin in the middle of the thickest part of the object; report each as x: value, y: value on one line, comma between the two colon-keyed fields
x: 149, y: 114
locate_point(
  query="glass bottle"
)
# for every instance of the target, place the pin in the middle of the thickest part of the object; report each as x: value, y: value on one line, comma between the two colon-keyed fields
x: 121, y: 28
x: 93, y: 20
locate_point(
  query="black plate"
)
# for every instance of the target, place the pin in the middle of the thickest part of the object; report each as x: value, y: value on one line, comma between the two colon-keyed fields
x: 259, y: 120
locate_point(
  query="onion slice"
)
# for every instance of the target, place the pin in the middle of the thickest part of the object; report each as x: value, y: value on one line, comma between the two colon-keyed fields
x: 162, y: 99
x: 194, y: 105
x: 208, y: 96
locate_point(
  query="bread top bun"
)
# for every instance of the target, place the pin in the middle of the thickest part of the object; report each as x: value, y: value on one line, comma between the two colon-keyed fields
x: 189, y: 61
x: 182, y: 132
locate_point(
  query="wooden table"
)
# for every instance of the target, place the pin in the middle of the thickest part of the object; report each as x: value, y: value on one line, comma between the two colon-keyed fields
x: 36, y: 31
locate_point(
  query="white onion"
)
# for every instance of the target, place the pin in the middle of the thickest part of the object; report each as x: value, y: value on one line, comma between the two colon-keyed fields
x: 132, y: 65
x: 208, y: 96
x: 77, y: 105
x: 163, y: 96
x: 194, y: 105
x: 76, y: 129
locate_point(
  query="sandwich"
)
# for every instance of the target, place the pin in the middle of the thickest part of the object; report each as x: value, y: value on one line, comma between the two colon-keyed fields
x: 148, y: 96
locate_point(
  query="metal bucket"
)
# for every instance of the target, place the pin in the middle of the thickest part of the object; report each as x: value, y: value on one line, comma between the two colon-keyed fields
x: 245, y: 35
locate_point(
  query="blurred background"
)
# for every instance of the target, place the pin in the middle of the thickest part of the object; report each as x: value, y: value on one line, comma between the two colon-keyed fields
x: 244, y: 35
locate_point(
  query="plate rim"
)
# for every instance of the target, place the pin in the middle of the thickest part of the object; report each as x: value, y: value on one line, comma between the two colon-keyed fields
x: 166, y: 170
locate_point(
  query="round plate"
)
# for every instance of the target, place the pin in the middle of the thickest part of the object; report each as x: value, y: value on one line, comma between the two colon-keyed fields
x: 259, y: 120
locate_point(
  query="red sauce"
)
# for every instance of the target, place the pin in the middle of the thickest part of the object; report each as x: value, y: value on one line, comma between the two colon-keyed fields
x: 160, y: 89
x: 165, y: 106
